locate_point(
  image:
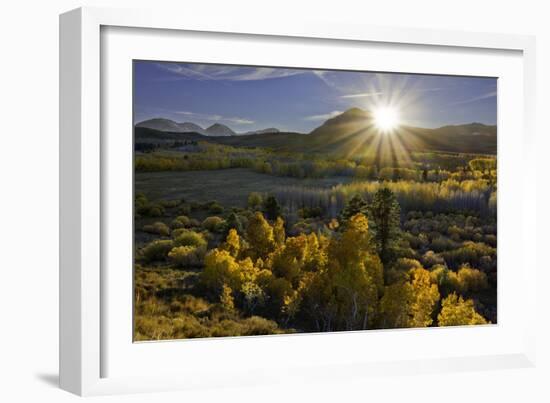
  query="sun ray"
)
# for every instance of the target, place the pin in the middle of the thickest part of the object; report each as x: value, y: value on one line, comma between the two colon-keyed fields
x: 386, y: 118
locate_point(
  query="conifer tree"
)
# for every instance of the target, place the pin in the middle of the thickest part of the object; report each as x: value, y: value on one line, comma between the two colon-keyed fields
x: 384, y: 222
x: 271, y: 208
x: 356, y: 205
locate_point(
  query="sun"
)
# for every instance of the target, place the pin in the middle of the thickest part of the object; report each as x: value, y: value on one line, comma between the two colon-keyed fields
x: 386, y: 118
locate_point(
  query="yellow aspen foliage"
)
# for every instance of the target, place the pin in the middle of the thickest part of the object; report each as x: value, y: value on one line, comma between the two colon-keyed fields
x: 455, y: 311
x: 357, y: 236
x: 260, y: 236
x: 226, y: 298
x: 409, y: 303
x: 316, y: 255
x: 298, y: 254
x: 356, y: 274
x: 232, y: 243
x: 288, y: 260
x: 355, y: 248
x: 395, y: 305
x: 247, y: 272
x: 426, y: 296
x: 220, y: 268
x: 279, y: 234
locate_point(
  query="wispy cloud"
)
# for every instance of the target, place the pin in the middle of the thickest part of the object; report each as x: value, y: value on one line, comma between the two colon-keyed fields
x: 323, y: 116
x: 215, y: 118
x: 370, y: 94
x: 490, y: 94
x: 225, y: 73
x: 362, y: 94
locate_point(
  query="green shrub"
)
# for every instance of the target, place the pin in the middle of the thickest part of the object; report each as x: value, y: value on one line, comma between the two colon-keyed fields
x: 193, y: 222
x: 145, y: 208
x: 181, y: 221
x: 155, y: 210
x: 442, y: 243
x: 255, y: 200
x: 184, y: 209
x: 157, y: 250
x: 141, y: 204
x: 256, y: 325
x: 430, y: 258
x: 446, y: 279
x: 215, y: 208
x: 469, y: 253
x: 177, y: 232
x: 213, y: 223
x: 471, y: 280
x: 187, y: 255
x: 170, y: 203
x: 405, y: 264
x: 190, y: 238
x: 490, y: 240
x: 158, y: 227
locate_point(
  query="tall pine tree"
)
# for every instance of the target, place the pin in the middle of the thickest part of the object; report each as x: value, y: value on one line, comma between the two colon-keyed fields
x: 384, y: 221
x: 356, y: 205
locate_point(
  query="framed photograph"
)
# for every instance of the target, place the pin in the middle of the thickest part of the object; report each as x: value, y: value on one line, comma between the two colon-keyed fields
x: 245, y: 202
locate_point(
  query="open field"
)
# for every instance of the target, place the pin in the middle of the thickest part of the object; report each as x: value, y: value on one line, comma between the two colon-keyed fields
x: 230, y: 187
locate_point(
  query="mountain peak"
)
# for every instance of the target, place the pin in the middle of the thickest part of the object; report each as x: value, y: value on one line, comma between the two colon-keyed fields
x: 161, y: 124
x: 355, y: 111
x: 352, y: 115
x: 218, y: 129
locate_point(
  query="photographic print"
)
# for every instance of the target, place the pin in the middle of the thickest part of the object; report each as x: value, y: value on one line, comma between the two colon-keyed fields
x: 274, y: 200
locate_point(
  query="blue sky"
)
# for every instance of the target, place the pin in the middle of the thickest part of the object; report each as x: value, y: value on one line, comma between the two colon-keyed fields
x: 252, y: 98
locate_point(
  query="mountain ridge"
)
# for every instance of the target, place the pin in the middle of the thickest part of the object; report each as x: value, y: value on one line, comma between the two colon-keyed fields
x: 352, y: 133
x: 216, y: 129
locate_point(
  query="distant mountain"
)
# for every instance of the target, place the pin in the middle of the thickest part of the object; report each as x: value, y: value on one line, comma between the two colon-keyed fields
x: 354, y: 133
x: 189, y: 127
x: 217, y: 129
x: 350, y: 134
x: 262, y: 131
x: 167, y: 125
x: 164, y: 125
x: 342, y: 131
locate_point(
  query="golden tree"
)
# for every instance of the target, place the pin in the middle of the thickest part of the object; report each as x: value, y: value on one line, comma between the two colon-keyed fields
x: 426, y: 296
x: 395, y: 305
x: 409, y: 303
x: 455, y: 311
x: 260, y: 237
x: 355, y: 275
x: 279, y: 234
x: 232, y: 243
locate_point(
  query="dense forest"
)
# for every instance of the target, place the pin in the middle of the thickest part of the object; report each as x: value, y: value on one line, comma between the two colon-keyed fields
x: 235, y: 240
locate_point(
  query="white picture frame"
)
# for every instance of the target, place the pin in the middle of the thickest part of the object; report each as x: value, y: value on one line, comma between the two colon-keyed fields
x: 88, y: 331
